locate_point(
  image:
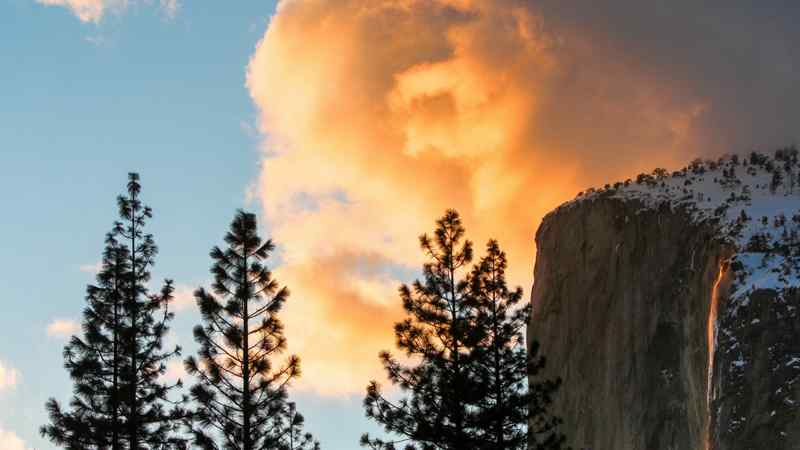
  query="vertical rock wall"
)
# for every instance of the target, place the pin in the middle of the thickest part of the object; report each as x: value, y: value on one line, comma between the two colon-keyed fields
x: 621, y: 302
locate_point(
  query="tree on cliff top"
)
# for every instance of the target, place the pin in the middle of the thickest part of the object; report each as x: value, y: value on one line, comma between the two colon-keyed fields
x: 240, y: 391
x: 119, y: 401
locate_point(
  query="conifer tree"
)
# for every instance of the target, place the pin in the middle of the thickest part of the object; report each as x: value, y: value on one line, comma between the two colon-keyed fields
x: 511, y: 413
x: 151, y: 422
x: 297, y: 439
x: 241, y: 392
x: 93, y: 363
x: 120, y: 402
x: 435, y: 412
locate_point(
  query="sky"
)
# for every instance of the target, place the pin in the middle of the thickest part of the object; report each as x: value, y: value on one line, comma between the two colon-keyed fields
x: 349, y: 126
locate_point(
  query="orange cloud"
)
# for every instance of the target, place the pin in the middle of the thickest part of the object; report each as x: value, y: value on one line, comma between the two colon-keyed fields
x: 380, y: 114
x: 338, y: 317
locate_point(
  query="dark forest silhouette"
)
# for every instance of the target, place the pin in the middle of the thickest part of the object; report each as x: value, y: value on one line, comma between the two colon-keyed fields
x: 467, y: 385
x: 469, y: 388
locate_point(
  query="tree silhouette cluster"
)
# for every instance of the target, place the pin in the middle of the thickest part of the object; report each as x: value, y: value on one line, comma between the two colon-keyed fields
x: 120, y: 400
x: 467, y: 384
x: 464, y: 383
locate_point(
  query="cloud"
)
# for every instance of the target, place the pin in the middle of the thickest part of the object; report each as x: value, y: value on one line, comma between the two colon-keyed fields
x: 85, y: 10
x: 182, y: 298
x: 175, y: 371
x: 98, y: 41
x: 10, y: 441
x: 93, y: 11
x: 9, y: 377
x: 63, y: 328
x: 93, y: 269
x: 337, y: 319
x: 170, y: 8
x: 380, y: 114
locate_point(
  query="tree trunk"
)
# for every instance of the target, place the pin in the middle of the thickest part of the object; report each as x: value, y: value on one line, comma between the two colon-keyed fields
x: 133, y: 420
x: 245, y: 358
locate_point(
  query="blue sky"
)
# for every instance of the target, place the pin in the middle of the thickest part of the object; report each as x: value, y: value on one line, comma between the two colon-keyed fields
x: 377, y: 116
x: 81, y: 105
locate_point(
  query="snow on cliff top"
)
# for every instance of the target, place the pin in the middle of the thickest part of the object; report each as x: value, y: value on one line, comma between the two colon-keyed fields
x: 754, y: 199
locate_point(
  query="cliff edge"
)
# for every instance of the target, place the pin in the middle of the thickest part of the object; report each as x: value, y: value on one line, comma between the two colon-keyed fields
x: 668, y: 306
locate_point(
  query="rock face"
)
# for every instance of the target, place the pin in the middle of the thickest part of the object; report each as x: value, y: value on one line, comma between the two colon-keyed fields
x: 669, y: 326
x: 622, y: 318
x: 756, y: 374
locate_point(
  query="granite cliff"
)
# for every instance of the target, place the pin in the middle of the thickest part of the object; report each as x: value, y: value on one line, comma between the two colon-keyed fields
x: 669, y: 307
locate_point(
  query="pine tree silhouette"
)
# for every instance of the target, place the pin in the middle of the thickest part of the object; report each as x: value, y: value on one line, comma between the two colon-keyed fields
x: 93, y: 363
x: 240, y: 391
x: 119, y: 401
x: 508, y: 403
x: 297, y: 438
x: 435, y: 414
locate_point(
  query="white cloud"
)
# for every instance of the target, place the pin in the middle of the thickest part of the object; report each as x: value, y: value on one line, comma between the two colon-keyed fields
x: 175, y: 371
x: 62, y: 328
x: 85, y: 10
x: 9, y: 377
x: 98, y: 41
x: 93, y: 269
x: 182, y: 298
x: 10, y: 441
x: 170, y: 8
x: 93, y: 11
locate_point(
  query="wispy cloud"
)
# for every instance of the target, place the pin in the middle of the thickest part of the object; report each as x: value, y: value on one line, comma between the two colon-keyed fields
x: 98, y: 40
x: 93, y: 11
x: 183, y: 298
x: 85, y: 10
x: 9, y: 377
x: 170, y: 8
x: 93, y: 269
x: 175, y: 371
x: 63, y: 328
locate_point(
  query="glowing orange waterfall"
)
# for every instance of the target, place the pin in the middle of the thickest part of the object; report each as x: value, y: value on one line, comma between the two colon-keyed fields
x: 712, y: 341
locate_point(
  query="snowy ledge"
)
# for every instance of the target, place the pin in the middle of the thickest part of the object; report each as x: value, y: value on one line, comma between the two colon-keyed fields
x: 754, y: 201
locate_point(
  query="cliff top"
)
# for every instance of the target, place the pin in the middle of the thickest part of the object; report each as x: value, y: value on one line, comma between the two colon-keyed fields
x: 754, y: 203
x: 754, y: 200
